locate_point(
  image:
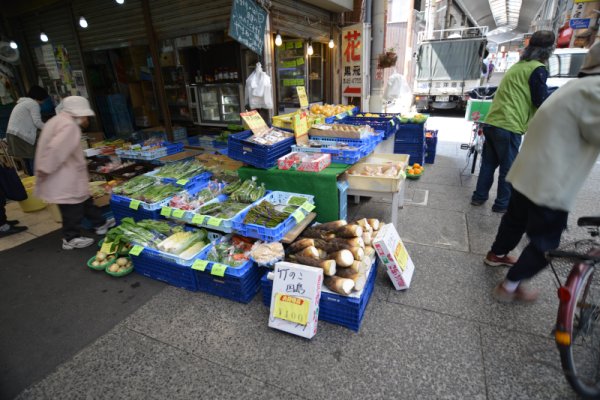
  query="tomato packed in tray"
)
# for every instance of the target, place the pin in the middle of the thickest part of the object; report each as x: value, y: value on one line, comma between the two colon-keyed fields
x: 234, y: 251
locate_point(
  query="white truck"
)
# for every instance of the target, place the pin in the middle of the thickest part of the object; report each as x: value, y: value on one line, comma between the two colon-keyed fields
x: 448, y: 66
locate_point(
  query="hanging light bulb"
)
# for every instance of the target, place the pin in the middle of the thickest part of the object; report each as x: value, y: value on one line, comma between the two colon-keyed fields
x: 13, y: 45
x: 120, y: 1
x: 83, y: 22
x: 331, y: 44
x: 310, y: 50
x: 278, y: 40
x: 43, y: 37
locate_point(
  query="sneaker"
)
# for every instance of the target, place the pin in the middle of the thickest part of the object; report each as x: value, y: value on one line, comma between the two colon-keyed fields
x: 498, y: 210
x: 12, y: 222
x: 77, y: 243
x: 477, y: 202
x: 521, y: 295
x: 102, y: 229
x: 494, y: 261
x: 12, y: 230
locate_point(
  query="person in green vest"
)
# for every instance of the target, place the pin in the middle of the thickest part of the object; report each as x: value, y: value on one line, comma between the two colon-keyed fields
x: 522, y: 90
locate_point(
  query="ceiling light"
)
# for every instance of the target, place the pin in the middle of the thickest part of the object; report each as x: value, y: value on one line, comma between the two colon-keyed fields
x: 82, y: 22
x: 120, y: 1
x: 331, y: 43
x: 13, y: 45
x: 278, y: 40
x: 310, y: 50
x: 43, y: 37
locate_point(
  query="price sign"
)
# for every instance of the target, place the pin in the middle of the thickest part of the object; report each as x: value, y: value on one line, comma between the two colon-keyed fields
x: 308, y: 206
x: 301, y: 128
x: 199, y: 265
x: 291, y: 308
x: 166, y: 211
x: 136, y: 250
x: 106, y: 247
x: 298, y: 215
x: 302, y: 96
x: 197, y: 219
x: 401, y: 255
x: 135, y: 204
x: 178, y: 213
x: 212, y: 221
x: 255, y: 122
x: 295, y: 299
x: 349, y: 112
x: 183, y: 182
x: 218, y: 269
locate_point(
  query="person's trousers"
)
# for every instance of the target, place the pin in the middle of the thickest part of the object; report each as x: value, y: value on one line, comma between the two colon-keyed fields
x: 2, y: 208
x: 72, y: 215
x: 499, y: 150
x: 543, y: 226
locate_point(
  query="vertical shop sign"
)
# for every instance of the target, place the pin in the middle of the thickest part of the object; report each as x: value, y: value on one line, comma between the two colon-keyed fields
x: 49, y: 61
x: 353, y: 45
x: 247, y: 24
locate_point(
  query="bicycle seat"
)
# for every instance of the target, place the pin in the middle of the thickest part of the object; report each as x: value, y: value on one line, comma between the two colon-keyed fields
x: 588, y: 221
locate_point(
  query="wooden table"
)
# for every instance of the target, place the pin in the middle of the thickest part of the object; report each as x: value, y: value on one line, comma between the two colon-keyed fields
x: 397, y: 199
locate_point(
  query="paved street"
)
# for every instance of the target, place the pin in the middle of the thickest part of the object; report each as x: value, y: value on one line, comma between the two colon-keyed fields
x: 444, y: 338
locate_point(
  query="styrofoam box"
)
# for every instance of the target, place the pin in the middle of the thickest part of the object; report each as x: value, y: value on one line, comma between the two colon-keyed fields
x: 394, y: 256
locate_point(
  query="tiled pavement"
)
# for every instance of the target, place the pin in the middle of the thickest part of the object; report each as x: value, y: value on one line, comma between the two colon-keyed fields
x: 444, y: 338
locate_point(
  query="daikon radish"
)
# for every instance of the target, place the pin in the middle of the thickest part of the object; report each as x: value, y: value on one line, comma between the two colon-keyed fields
x: 359, y: 279
x: 328, y: 266
x: 343, y: 258
x: 301, y: 244
x: 349, y: 231
x: 339, y: 285
x: 310, y: 251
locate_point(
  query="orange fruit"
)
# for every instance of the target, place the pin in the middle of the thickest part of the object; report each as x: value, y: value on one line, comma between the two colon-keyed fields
x: 411, y: 171
x: 416, y: 165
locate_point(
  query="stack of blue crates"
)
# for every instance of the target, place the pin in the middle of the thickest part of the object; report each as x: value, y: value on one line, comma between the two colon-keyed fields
x: 431, y: 140
x: 257, y: 155
x: 162, y: 269
x: 120, y: 208
x: 335, y: 308
x: 410, y: 139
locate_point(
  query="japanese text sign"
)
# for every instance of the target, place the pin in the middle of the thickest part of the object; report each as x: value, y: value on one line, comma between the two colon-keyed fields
x: 255, y: 122
x: 302, y: 96
x: 352, y: 58
x: 247, y: 24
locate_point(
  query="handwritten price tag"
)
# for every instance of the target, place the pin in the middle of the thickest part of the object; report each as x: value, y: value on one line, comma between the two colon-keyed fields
x: 197, y: 219
x: 166, y: 211
x: 401, y: 255
x: 212, y: 221
x: 183, y: 182
x: 106, y: 247
x: 255, y: 122
x: 291, y: 308
x: 136, y: 250
x: 298, y: 215
x: 218, y: 269
x: 302, y: 96
x: 199, y: 265
x: 135, y: 204
x: 308, y: 207
x: 178, y: 213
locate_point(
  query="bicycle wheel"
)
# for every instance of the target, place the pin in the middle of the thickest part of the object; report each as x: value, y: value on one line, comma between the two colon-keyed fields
x: 581, y: 359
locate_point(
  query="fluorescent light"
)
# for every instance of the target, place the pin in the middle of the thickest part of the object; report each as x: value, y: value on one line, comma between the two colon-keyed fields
x: 43, y: 37
x: 278, y: 40
x: 13, y: 44
x: 82, y: 22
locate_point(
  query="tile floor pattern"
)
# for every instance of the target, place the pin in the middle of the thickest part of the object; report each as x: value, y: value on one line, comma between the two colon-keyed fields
x: 444, y: 338
x: 38, y: 222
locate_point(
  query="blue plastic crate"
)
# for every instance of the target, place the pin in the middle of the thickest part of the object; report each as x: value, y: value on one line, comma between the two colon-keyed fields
x: 409, y: 148
x: 257, y: 155
x: 388, y: 125
x: 343, y: 195
x: 120, y: 212
x: 165, y: 271
x: 431, y: 146
x: 173, y: 148
x: 350, y: 142
x: 334, y: 308
x: 196, y: 183
x: 410, y: 133
x: 269, y: 234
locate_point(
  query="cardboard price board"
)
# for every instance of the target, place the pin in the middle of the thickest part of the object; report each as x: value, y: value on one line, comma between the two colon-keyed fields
x: 394, y: 256
x: 301, y: 128
x: 302, y: 96
x: 247, y: 24
x: 255, y: 122
x: 295, y: 299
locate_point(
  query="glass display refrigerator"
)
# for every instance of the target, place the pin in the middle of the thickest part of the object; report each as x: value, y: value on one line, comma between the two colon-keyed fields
x: 216, y: 104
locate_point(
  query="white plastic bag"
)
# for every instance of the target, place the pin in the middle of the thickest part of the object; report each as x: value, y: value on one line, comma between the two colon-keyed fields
x: 259, y: 89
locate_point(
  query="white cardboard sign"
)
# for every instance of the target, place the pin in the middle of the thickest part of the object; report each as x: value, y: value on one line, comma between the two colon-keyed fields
x: 394, y: 256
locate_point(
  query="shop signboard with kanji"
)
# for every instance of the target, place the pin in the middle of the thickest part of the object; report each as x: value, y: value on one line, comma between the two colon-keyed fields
x: 355, y: 60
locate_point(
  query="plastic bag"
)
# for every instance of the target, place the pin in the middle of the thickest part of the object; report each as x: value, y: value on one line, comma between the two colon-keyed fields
x: 259, y: 89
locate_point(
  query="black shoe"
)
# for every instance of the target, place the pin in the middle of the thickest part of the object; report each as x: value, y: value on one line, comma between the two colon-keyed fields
x: 12, y: 230
x: 12, y: 222
x: 477, y: 202
x: 498, y: 210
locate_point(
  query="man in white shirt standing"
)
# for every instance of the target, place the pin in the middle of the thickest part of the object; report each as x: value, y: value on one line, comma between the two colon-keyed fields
x: 558, y: 153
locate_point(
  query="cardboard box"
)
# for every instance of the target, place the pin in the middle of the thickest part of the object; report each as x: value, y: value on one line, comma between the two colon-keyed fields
x: 340, y: 131
x: 298, y: 285
x: 394, y: 256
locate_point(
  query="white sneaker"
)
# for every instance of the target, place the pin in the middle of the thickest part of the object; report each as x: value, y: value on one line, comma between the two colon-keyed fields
x: 77, y: 243
x: 102, y: 229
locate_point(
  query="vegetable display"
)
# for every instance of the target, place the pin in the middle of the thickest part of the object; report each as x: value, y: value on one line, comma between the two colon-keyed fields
x: 147, y: 233
x: 233, y: 252
x: 188, y: 202
x: 181, y: 170
x: 155, y: 193
x: 248, y: 192
x: 134, y: 185
x: 267, y: 254
x: 343, y: 251
x: 225, y: 210
x: 184, y: 244
x: 266, y: 214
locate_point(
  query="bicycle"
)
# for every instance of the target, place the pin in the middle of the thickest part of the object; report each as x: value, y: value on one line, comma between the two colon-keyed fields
x: 577, y: 330
x: 475, y: 145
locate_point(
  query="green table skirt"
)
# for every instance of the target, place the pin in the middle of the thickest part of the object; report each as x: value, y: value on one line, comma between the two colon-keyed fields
x: 322, y: 185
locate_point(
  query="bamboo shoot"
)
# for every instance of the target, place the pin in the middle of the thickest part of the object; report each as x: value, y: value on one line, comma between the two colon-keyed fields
x: 375, y: 224
x: 349, y: 231
x: 310, y: 251
x: 331, y: 226
x: 339, y: 285
x: 343, y: 258
x: 359, y: 278
x: 301, y: 244
x: 328, y: 266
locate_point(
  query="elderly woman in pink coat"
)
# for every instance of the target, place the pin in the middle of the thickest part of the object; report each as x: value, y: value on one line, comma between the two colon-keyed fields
x: 62, y: 176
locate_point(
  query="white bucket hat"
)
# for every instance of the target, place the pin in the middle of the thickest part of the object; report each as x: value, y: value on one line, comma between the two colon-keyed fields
x: 77, y: 106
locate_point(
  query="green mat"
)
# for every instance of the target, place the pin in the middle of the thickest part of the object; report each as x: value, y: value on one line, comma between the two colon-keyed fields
x: 322, y: 185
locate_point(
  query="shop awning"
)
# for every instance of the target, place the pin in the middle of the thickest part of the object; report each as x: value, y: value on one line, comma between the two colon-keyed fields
x: 333, y: 5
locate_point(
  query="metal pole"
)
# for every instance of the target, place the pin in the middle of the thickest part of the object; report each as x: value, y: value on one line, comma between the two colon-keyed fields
x: 377, y: 29
x: 160, y: 83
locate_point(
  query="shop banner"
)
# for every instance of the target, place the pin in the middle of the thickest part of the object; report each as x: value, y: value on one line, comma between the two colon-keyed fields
x: 353, y: 45
x: 582, y: 15
x: 247, y: 24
